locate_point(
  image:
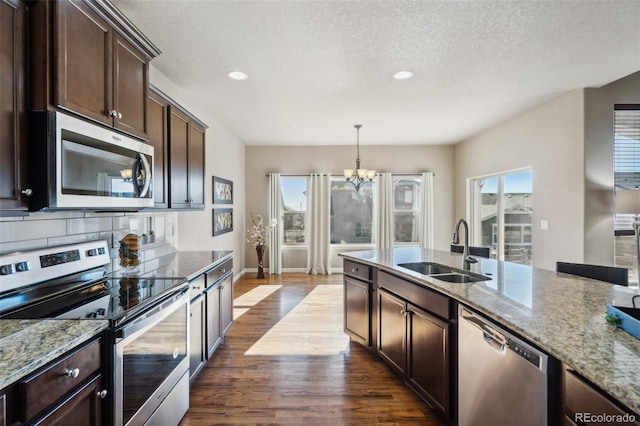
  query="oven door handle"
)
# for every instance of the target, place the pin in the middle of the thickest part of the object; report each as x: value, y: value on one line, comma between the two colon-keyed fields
x: 155, y: 314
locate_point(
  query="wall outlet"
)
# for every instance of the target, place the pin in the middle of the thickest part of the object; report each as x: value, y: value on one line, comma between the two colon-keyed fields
x: 544, y: 224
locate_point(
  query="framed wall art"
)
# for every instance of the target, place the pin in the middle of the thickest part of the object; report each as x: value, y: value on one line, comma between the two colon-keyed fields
x: 222, y: 191
x: 222, y: 221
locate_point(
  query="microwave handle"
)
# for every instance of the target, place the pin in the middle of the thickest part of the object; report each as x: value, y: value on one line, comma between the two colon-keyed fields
x: 142, y: 163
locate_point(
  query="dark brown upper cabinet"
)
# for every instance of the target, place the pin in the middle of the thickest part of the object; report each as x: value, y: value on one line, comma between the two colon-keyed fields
x: 13, y: 173
x: 87, y: 58
x: 158, y: 115
x: 186, y: 160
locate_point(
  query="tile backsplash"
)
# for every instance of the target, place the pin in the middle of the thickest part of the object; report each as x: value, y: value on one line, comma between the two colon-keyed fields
x: 65, y: 227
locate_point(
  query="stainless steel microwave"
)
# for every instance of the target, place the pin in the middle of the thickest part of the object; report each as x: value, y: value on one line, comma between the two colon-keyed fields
x: 76, y: 164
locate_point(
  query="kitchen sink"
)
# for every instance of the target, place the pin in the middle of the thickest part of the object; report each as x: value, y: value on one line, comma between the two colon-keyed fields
x: 460, y: 278
x: 629, y: 319
x: 427, y: 268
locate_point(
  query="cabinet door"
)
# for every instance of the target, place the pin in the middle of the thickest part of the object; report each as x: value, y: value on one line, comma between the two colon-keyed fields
x: 12, y: 105
x: 178, y: 158
x: 196, y: 329
x: 214, y: 329
x: 157, y: 116
x: 391, y: 330
x: 130, y: 88
x: 226, y: 304
x: 196, y: 166
x: 357, y: 318
x: 428, y: 357
x: 84, y: 77
x: 83, y: 408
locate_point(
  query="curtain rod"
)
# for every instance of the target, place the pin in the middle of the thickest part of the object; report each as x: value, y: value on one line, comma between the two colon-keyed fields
x: 377, y: 174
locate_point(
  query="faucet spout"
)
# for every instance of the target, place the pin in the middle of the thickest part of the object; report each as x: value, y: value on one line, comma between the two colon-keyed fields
x: 467, y: 260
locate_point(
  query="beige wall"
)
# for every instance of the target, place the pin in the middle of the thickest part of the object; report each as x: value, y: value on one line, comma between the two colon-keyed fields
x: 333, y: 159
x: 599, y: 104
x: 224, y: 158
x: 549, y: 139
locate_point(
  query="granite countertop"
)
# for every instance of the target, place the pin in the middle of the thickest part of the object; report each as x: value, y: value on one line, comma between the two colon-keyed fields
x: 562, y: 314
x: 26, y: 345
x: 182, y: 264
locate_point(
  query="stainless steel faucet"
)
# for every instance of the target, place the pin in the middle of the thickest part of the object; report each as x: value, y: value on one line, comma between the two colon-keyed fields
x: 466, y: 259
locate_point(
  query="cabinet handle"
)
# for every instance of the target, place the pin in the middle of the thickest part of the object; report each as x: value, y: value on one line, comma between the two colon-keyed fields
x: 354, y: 269
x: 113, y: 113
x: 72, y: 373
x: 195, y: 287
x: 28, y: 192
x: 102, y: 394
x: 221, y: 287
x: 119, y: 115
x: 366, y: 293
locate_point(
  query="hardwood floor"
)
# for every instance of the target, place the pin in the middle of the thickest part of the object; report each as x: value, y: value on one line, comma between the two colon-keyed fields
x: 286, y: 361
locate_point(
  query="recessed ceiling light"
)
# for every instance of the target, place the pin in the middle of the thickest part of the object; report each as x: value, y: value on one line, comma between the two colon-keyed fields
x: 237, y: 75
x: 403, y: 75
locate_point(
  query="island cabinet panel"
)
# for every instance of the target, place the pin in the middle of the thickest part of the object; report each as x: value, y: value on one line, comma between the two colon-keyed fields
x: 358, y: 302
x: 584, y: 403
x: 13, y: 172
x: 428, y: 357
x: 219, y: 316
x: 82, y: 408
x: 415, y: 334
x: 392, y: 327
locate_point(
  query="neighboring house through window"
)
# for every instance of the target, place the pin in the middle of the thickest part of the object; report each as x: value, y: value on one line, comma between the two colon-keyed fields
x: 294, y: 210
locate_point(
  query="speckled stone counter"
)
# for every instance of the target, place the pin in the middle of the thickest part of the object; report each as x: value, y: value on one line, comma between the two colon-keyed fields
x: 182, y: 264
x: 26, y: 345
x: 562, y: 314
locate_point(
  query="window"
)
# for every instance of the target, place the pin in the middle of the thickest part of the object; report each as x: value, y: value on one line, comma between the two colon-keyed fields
x: 406, y: 209
x: 352, y: 213
x: 294, y: 210
x: 502, y: 212
x: 626, y: 146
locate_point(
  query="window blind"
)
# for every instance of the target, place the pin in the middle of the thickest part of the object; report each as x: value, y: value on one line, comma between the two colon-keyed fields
x: 626, y: 157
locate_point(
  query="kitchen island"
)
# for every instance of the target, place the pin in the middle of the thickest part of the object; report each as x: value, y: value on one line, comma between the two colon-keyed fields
x: 563, y: 315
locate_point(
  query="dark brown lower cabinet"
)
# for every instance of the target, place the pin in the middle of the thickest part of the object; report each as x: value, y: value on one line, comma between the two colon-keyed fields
x: 357, y: 315
x: 196, y: 330
x: 585, y: 404
x: 214, y: 328
x: 83, y: 408
x: 428, y: 357
x: 415, y: 344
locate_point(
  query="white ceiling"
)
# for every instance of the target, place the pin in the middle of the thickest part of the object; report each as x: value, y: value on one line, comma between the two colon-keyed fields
x: 316, y: 68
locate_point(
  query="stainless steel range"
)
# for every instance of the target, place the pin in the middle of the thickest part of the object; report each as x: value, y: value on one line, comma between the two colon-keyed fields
x: 147, y: 341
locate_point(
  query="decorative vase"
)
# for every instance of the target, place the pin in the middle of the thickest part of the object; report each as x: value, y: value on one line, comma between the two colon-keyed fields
x: 260, y: 252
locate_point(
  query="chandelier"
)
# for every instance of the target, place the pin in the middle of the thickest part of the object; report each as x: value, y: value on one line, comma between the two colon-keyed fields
x: 358, y: 177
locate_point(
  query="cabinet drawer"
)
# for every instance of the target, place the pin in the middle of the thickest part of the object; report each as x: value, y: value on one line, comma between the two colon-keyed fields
x: 219, y: 271
x: 196, y: 287
x: 357, y: 270
x: 416, y: 294
x: 581, y: 399
x: 46, y: 387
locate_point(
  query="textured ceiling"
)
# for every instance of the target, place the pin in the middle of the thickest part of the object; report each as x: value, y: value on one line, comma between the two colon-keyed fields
x: 316, y: 68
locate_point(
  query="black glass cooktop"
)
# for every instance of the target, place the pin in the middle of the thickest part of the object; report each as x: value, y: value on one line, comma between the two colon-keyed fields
x: 90, y: 295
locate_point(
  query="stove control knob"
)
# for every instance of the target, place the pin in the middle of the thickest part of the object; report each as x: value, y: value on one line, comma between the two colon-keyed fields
x: 101, y: 311
x: 92, y: 315
x: 91, y: 252
x: 23, y: 266
x: 7, y: 270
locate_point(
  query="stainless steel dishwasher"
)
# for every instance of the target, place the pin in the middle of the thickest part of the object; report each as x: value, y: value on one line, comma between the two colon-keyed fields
x: 501, y: 379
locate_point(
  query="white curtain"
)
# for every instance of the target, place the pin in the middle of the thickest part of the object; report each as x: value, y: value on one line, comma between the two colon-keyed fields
x: 426, y: 225
x: 318, y: 222
x: 275, y: 212
x: 384, y: 234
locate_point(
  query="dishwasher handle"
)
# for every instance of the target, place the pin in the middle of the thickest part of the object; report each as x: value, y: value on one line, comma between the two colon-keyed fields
x: 490, y: 335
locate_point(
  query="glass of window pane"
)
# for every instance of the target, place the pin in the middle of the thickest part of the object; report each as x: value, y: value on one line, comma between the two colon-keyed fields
x: 294, y: 210
x: 352, y: 213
